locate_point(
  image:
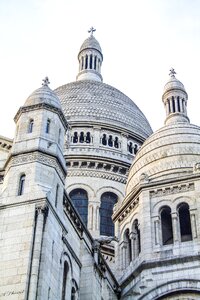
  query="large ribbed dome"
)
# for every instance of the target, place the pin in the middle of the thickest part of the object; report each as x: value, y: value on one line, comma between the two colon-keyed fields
x: 171, y: 152
x: 97, y: 102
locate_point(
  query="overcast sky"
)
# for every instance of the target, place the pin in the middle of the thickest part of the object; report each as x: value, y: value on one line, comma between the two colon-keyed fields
x: 140, y: 39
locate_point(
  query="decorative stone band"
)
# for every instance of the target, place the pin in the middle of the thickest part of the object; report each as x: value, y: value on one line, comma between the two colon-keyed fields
x: 38, y: 157
x: 97, y: 174
x: 5, y: 144
x: 172, y: 190
x: 42, y: 106
x: 123, y: 214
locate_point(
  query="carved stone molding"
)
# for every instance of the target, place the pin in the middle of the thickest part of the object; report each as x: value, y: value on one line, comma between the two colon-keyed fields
x: 97, y: 174
x: 128, y: 209
x: 42, y: 209
x: 37, y: 157
x: 172, y: 190
x: 68, y: 208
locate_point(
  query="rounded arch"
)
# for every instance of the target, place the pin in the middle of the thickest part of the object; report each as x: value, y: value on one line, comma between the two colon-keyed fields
x: 164, y: 290
x: 190, y: 200
x: 158, y: 205
x: 166, y: 225
x: 90, y: 191
x: 183, y: 211
x: 79, y: 199
x: 114, y: 190
x: 108, y: 200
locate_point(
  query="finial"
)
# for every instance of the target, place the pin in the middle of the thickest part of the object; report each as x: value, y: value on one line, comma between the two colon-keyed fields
x: 172, y: 72
x: 91, y: 31
x: 46, y: 81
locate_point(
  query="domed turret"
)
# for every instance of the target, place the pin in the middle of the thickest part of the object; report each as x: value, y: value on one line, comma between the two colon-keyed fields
x: 90, y: 59
x: 43, y: 95
x: 175, y: 100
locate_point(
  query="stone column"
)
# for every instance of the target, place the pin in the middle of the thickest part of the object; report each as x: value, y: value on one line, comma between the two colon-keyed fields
x: 132, y: 238
x: 175, y: 227
x: 157, y: 230
x: 90, y: 217
x: 193, y: 223
x: 97, y: 218
x: 41, y: 213
x: 176, y: 104
x: 123, y: 255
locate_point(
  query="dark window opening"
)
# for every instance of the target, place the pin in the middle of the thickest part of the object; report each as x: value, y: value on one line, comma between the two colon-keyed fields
x: 64, y: 284
x: 21, y: 185
x: 104, y: 139
x: 110, y: 141
x: 56, y: 198
x: 169, y: 107
x: 81, y: 139
x: 135, y: 149
x: 95, y: 62
x: 75, y: 137
x: 178, y: 103
x: 30, y: 127
x: 48, y: 126
x: 116, y: 142
x: 166, y: 224
x: 128, y: 249
x: 108, y: 201
x: 90, y: 61
x: 82, y: 62
x: 130, y: 147
x: 73, y: 294
x: 185, y: 223
x: 86, y: 62
x: 173, y: 105
x: 79, y: 198
x: 88, y: 138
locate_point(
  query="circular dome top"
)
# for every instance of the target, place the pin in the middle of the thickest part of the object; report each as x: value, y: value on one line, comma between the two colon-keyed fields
x: 92, y: 101
x: 43, y: 95
x: 171, y: 152
x: 91, y: 42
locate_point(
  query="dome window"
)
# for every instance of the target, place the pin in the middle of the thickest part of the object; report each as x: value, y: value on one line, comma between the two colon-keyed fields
x: 82, y: 62
x: 91, y: 61
x: 88, y: 137
x: 110, y: 141
x: 166, y: 225
x: 116, y: 142
x: 95, y: 62
x: 86, y: 61
x: 104, y: 140
x: 81, y: 139
x: 135, y: 148
x: 130, y: 147
x: 75, y: 137
x: 185, y: 223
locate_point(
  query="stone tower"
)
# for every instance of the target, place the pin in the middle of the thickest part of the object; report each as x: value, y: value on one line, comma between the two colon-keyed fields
x: 158, y: 221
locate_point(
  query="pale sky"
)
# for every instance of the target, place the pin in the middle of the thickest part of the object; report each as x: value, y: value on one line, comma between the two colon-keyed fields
x: 140, y: 39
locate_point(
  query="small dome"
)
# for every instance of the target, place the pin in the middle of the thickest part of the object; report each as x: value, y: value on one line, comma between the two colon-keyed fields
x: 43, y: 95
x: 91, y: 43
x: 173, y: 84
x: 171, y: 152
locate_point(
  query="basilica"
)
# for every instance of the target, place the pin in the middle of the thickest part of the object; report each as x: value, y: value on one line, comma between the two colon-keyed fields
x: 93, y: 204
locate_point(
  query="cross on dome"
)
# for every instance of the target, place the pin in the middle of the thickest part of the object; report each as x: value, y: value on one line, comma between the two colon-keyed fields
x: 46, y: 81
x: 91, y: 30
x: 172, y: 72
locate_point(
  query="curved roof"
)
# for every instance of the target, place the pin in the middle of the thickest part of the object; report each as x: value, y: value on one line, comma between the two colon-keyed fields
x: 91, y: 43
x: 93, y: 101
x: 171, y: 152
x: 43, y: 95
x: 173, y: 84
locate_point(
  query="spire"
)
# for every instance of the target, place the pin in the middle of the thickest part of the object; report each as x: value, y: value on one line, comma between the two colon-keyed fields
x: 46, y: 81
x: 90, y: 59
x: 175, y: 100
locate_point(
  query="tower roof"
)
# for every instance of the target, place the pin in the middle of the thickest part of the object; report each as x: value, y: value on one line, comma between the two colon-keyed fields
x: 91, y: 43
x: 43, y: 95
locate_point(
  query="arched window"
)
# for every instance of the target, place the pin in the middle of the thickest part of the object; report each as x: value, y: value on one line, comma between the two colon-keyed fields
x: 130, y: 147
x: 79, y: 198
x: 57, y: 193
x: 166, y: 225
x: 81, y: 139
x: 59, y: 136
x: 135, y: 148
x: 178, y: 104
x: 21, y: 184
x: 95, y: 62
x: 64, y: 284
x: 173, y: 105
x: 90, y: 61
x: 73, y: 293
x: 82, y: 61
x: 48, y: 126
x: 116, y: 142
x: 110, y: 141
x: 75, y: 137
x: 108, y: 201
x: 184, y: 221
x: 86, y: 62
x: 88, y: 138
x: 128, y: 247
x: 104, y: 140
x: 30, y: 126
x: 136, y: 239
